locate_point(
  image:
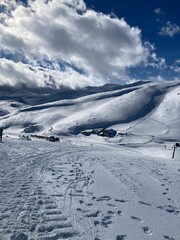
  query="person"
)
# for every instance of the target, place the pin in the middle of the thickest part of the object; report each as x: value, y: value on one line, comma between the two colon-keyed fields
x: 1, y: 133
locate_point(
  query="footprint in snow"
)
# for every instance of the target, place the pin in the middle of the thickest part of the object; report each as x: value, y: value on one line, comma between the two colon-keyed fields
x: 96, y: 214
x: 169, y: 209
x: 164, y: 193
x: 120, y: 213
x: 89, y: 204
x: 165, y: 179
x: 121, y: 237
x: 111, y: 205
x: 120, y: 200
x: 136, y: 219
x: 168, y: 238
x: 51, y: 212
x: 106, y: 221
x: 103, y: 198
x: 79, y: 209
x: 111, y: 212
x: 51, y: 207
x: 147, y: 230
x: 145, y: 203
x: 81, y: 201
x: 96, y: 223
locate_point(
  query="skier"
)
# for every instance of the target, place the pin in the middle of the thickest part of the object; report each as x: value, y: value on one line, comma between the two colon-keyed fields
x: 1, y: 133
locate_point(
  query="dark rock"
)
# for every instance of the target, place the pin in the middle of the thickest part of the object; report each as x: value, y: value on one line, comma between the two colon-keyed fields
x: 107, y: 133
x: 86, y: 133
x: 53, y: 139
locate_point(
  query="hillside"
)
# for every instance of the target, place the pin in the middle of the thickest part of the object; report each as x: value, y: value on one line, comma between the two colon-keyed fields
x: 150, y: 109
x: 89, y: 185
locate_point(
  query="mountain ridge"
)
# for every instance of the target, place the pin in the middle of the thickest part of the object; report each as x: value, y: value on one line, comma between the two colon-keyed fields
x: 72, y: 111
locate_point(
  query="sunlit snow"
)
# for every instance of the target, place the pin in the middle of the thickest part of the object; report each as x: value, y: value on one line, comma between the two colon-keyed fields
x: 124, y: 187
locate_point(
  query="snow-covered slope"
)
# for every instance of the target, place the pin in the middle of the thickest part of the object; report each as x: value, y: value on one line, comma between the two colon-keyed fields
x: 56, y: 191
x: 89, y: 187
x: 145, y: 109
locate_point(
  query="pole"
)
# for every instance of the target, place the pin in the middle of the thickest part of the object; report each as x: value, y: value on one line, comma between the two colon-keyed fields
x: 174, y: 149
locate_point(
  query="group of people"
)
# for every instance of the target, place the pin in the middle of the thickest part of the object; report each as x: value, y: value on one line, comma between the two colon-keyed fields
x: 1, y: 134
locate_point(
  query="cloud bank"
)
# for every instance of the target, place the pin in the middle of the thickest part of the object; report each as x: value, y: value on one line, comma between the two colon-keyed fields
x: 93, y: 48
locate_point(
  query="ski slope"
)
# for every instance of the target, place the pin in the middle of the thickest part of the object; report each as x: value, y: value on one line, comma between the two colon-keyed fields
x: 87, y: 191
x: 91, y: 188
x: 71, y: 111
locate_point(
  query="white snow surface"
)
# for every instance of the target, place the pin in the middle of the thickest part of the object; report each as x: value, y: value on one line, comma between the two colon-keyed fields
x: 89, y: 187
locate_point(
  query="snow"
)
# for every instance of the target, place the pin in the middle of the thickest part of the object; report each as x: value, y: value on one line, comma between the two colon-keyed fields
x: 71, y: 191
x: 92, y: 187
x: 104, y: 109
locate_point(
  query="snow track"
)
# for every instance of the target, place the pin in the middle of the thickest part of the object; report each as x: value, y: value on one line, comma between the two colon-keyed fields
x: 38, y: 191
x: 25, y: 207
x: 53, y: 191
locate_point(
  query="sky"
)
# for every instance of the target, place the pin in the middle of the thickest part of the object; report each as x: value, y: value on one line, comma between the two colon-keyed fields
x: 78, y: 43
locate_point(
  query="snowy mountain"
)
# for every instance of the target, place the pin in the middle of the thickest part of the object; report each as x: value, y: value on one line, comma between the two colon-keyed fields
x: 151, y: 108
x: 91, y: 186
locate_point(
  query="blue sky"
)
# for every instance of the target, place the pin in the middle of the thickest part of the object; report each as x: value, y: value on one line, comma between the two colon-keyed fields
x: 150, y: 17
x: 78, y: 43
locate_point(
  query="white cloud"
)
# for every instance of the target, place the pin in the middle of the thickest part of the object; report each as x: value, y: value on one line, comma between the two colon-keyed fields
x: 176, y: 66
x: 20, y: 74
x: 156, y: 62
x: 158, y: 11
x: 169, y: 30
x: 102, y: 46
x: 153, y: 60
x: 77, y: 4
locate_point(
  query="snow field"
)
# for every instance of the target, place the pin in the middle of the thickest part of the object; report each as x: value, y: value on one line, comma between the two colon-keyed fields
x: 67, y: 191
x: 91, y: 188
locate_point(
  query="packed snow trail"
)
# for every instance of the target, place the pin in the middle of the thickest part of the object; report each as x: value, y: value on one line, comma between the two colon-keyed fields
x: 52, y: 191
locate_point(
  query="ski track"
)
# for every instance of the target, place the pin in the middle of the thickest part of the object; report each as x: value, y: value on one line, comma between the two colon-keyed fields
x: 55, y: 191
